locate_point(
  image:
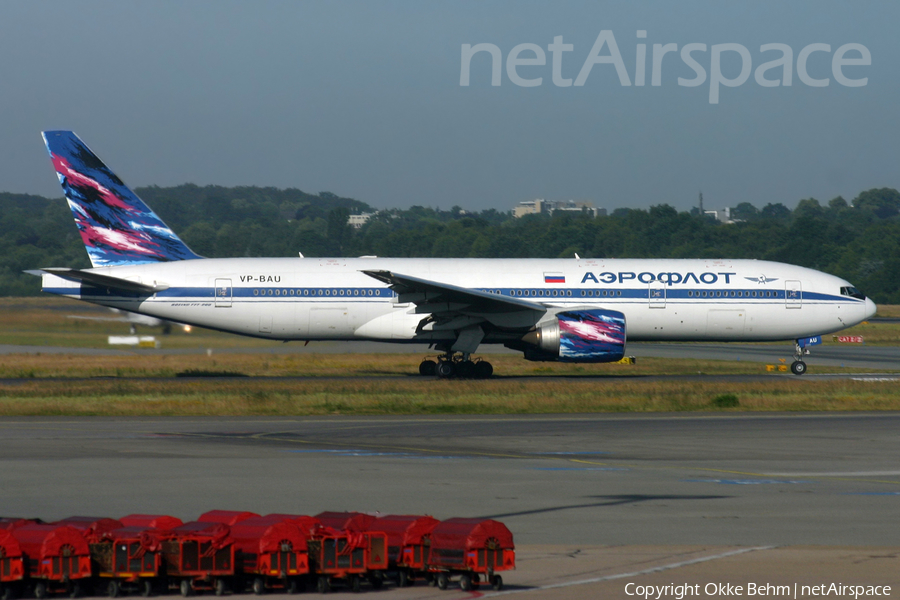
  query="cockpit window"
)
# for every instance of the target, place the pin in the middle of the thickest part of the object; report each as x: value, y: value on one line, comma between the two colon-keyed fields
x: 852, y: 292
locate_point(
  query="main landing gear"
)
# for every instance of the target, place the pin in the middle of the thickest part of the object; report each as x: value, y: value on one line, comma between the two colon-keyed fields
x: 460, y: 366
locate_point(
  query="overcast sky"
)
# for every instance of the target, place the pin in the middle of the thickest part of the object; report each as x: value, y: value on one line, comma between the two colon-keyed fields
x: 364, y: 99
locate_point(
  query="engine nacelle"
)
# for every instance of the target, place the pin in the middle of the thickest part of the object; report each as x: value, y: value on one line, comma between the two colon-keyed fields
x: 591, y: 335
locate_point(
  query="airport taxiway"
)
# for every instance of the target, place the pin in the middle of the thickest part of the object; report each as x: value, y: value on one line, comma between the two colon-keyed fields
x: 591, y: 499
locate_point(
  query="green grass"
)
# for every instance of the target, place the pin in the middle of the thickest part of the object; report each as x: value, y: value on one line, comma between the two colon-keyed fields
x: 264, y: 384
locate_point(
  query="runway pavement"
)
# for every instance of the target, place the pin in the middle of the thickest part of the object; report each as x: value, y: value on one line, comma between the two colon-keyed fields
x: 743, y: 479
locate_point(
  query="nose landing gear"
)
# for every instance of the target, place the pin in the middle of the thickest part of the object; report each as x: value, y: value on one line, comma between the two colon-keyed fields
x: 801, y: 349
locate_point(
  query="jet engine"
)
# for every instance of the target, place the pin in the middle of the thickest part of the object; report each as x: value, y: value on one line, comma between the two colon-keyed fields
x: 591, y: 335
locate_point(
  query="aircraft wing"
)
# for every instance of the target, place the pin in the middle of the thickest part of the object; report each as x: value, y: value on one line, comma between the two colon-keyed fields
x: 453, y: 307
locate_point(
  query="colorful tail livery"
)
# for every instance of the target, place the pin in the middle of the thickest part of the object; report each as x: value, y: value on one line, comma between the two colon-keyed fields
x: 116, y: 226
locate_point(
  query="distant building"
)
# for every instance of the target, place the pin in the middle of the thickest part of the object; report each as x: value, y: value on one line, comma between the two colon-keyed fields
x: 722, y: 216
x: 539, y: 206
x: 357, y: 221
x: 530, y: 207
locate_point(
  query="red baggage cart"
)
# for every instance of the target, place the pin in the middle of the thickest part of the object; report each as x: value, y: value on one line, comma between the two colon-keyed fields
x: 409, y: 544
x: 92, y: 528
x: 12, y: 566
x: 375, y: 542
x: 57, y: 558
x: 151, y: 521
x: 349, y: 521
x: 13, y: 522
x: 129, y: 559
x: 198, y: 556
x: 341, y: 554
x: 270, y: 553
x: 471, y: 548
x: 227, y: 517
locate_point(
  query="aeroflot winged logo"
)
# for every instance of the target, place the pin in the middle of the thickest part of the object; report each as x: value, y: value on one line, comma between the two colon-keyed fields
x: 116, y: 226
x: 761, y: 279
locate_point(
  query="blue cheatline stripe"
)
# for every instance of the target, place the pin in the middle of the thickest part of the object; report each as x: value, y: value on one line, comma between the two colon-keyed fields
x: 713, y: 296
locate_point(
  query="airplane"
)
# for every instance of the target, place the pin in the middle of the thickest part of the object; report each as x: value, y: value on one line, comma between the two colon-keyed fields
x: 569, y: 310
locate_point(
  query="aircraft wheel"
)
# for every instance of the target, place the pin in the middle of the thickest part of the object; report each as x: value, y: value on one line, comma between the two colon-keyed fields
x: 427, y: 368
x: 798, y: 367
x: 483, y: 369
x: 465, y: 369
x: 445, y: 369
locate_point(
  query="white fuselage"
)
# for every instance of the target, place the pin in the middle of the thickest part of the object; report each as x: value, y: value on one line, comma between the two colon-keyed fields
x: 331, y: 299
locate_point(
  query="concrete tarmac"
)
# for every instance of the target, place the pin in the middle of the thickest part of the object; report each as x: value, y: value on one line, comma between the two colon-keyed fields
x: 587, y: 497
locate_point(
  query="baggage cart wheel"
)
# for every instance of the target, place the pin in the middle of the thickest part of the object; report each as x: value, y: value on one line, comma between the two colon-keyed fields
x: 442, y: 581
x: 40, y: 590
x: 323, y: 585
x: 146, y: 588
x: 185, y: 588
x: 403, y: 578
x: 376, y: 580
x: 113, y: 588
x: 220, y: 587
x: 354, y: 584
x: 497, y: 582
x: 294, y: 586
x: 465, y: 582
x: 7, y: 592
x: 75, y: 590
x: 259, y: 586
x: 430, y: 580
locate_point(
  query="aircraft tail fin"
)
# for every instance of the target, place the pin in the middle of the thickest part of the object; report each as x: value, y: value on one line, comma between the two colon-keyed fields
x: 116, y: 226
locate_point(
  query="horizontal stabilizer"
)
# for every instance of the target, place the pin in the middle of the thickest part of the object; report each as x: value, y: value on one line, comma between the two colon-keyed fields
x: 99, y: 280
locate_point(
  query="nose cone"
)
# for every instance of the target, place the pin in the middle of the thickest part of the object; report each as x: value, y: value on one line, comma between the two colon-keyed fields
x: 870, y: 308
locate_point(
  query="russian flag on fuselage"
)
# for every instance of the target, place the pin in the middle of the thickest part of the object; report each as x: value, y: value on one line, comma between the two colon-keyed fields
x: 554, y: 278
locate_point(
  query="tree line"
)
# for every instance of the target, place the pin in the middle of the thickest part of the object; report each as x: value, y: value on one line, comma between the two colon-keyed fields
x: 858, y: 240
